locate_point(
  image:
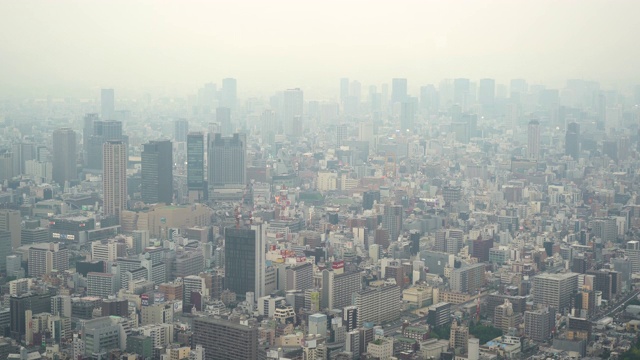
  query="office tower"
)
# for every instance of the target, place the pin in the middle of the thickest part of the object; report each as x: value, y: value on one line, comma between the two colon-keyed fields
x: 293, y: 112
x: 461, y: 93
x: 480, y: 248
x: 102, y: 335
x: 369, y: 198
x: 270, y: 127
x: 180, y: 130
x: 36, y: 303
x: 350, y: 317
x: 21, y: 153
x: 195, y: 167
x: 605, y: 229
x: 392, y: 220
x: 107, y: 251
x: 223, y: 340
x: 518, y: 87
x: 114, y: 178
x: 157, y: 172
x: 555, y: 290
x: 64, y: 156
x: 338, y: 289
x: 468, y: 279
x: 407, y: 115
x: 45, y: 258
x: 229, y: 93
x: 342, y: 134
x: 140, y: 345
x: 344, y: 89
x: 61, y: 305
x: 572, y: 140
x: 102, y: 131
x: 487, y: 93
x: 317, y: 325
x: 533, y: 144
x: 244, y: 259
x: 223, y: 117
x: 101, y: 284
x: 610, y: 148
x: 87, y: 133
x: 398, y: 90
x: 227, y: 160
x: 459, y: 337
x: 378, y: 304
x: 5, y: 248
x: 439, y: 314
x: 107, y: 104
x: 429, y: 99
x: 11, y: 221
x: 539, y: 324
x: 300, y: 277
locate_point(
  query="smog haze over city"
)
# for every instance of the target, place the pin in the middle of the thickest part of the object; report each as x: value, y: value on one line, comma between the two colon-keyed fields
x: 319, y: 180
x: 70, y: 47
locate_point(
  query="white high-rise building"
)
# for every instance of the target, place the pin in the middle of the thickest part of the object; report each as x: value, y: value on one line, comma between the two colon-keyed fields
x: 114, y: 177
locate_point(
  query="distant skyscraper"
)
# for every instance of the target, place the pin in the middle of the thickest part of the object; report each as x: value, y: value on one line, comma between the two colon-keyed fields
x: 344, y: 89
x: 429, y: 98
x: 181, y: 129
x: 157, y: 172
x: 107, y: 104
x: 244, y: 258
x: 114, y: 178
x: 10, y: 220
x: 87, y: 133
x: 103, y: 131
x: 64, y: 156
x: 572, y: 141
x: 487, y: 93
x: 292, y: 112
x: 227, y: 160
x: 461, y: 93
x: 392, y: 220
x: 407, y: 115
x: 229, y: 93
x: 223, y: 117
x: 533, y: 145
x: 398, y: 90
x: 195, y: 165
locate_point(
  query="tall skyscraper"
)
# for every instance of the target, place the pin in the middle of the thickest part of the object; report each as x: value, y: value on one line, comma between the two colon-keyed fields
x: 292, y: 112
x: 107, y: 104
x: 487, y: 93
x: 87, y: 133
x: 229, y: 93
x: 533, y: 145
x: 344, y: 89
x: 10, y: 220
x: 461, y: 93
x: 180, y: 131
x: 157, y: 172
x: 407, y: 115
x: 195, y: 166
x: 102, y: 131
x: 64, y: 156
x: 227, y: 160
x: 398, y: 90
x: 223, y: 117
x: 572, y: 141
x: 244, y: 259
x: 5, y: 248
x: 392, y: 220
x: 224, y: 340
x: 114, y: 178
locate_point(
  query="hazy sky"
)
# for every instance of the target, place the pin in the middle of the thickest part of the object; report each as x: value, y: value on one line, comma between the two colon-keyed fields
x: 76, y: 46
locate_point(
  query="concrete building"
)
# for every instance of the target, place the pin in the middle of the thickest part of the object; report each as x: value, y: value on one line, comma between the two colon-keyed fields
x: 378, y: 304
x: 555, y: 290
x: 223, y: 340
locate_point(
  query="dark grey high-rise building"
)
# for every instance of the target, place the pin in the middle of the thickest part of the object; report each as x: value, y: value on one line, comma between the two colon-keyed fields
x: 223, y: 117
x: 107, y: 103
x: 398, y: 90
x: 572, y: 141
x: 226, y: 160
x: 180, y: 130
x: 157, y: 172
x: 224, y: 340
x: 5, y: 248
x: 244, y: 260
x: 392, y: 220
x: 195, y: 161
x: 37, y: 303
x: 64, y: 156
x: 369, y: 197
x: 407, y: 115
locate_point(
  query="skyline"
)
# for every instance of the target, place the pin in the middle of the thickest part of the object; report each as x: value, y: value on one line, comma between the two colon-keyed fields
x: 173, y: 48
